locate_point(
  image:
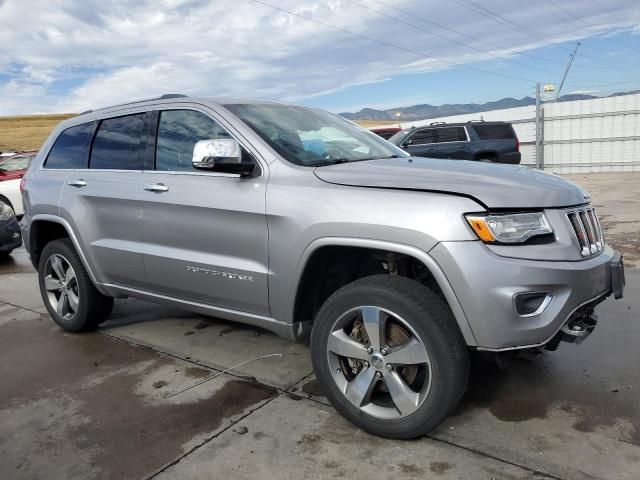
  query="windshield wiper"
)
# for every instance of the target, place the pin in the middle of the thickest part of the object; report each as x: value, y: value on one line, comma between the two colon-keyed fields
x: 336, y: 161
x: 331, y: 161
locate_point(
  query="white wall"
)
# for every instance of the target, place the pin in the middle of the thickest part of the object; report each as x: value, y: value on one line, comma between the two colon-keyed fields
x: 599, y: 135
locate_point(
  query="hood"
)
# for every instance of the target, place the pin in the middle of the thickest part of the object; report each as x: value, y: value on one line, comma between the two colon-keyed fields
x: 493, y: 185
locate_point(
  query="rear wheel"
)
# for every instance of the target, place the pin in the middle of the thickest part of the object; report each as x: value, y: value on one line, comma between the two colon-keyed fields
x: 69, y: 295
x: 486, y: 157
x: 390, y: 356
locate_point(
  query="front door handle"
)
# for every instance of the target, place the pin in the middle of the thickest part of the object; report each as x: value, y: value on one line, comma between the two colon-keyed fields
x: 156, y: 187
x: 77, y: 183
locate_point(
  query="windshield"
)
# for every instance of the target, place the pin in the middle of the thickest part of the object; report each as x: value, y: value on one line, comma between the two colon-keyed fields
x: 310, y: 137
x: 19, y: 162
x: 397, y: 138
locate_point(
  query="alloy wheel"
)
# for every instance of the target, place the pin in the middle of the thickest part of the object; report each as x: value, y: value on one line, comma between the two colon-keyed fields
x: 61, y: 285
x: 379, y: 362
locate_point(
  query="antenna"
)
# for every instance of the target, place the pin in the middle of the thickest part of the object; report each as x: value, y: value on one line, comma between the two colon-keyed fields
x: 566, y: 72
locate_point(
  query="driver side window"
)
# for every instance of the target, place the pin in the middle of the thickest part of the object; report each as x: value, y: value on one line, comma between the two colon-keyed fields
x: 422, y: 137
x: 178, y: 132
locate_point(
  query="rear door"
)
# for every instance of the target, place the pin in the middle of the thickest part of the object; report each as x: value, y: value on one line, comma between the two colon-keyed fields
x: 205, y: 233
x: 422, y: 143
x: 101, y: 200
x: 452, y: 143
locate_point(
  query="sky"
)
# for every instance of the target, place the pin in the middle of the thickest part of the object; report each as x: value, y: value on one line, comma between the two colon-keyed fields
x: 341, y: 55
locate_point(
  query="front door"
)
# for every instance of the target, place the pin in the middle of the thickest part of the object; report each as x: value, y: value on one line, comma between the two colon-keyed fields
x: 422, y: 143
x: 205, y: 233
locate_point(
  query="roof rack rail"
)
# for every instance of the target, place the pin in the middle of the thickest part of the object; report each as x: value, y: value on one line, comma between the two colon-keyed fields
x: 438, y: 123
x: 471, y: 121
x: 86, y: 111
x: 171, y: 95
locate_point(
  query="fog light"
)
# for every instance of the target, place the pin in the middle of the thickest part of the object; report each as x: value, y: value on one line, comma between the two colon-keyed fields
x: 530, y: 304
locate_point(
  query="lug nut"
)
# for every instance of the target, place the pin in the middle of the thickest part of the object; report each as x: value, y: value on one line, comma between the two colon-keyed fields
x: 366, y: 364
x: 384, y: 351
x: 389, y: 367
x: 378, y: 374
x: 369, y: 350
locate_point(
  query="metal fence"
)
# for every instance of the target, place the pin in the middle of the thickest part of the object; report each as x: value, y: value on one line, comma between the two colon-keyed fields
x: 599, y: 135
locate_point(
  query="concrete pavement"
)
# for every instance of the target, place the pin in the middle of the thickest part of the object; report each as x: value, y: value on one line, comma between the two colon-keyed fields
x: 100, y: 405
x: 95, y: 405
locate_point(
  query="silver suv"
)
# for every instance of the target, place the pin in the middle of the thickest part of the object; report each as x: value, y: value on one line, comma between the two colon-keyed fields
x: 292, y: 219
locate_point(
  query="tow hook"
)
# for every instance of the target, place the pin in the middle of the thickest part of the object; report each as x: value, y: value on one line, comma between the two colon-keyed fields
x: 575, y: 330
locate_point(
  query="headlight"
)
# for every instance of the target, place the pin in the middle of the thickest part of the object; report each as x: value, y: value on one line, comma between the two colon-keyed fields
x: 509, y: 228
x: 5, y: 212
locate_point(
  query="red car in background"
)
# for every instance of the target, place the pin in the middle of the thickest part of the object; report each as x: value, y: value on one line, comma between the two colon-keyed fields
x: 385, y: 132
x: 15, y: 167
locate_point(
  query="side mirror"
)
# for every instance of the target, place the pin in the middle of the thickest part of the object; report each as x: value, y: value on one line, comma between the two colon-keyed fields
x: 223, y: 155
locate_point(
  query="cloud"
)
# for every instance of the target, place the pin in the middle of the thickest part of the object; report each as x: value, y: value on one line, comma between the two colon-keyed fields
x: 583, y: 92
x: 76, y: 55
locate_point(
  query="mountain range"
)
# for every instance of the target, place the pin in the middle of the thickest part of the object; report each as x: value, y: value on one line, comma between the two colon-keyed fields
x: 419, y: 112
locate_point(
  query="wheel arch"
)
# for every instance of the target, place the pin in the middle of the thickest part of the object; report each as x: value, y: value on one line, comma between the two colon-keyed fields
x: 44, y: 228
x: 303, y: 284
x: 485, y: 154
x: 7, y: 201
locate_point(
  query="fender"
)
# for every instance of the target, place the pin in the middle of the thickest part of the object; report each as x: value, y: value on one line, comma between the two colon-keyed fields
x: 421, y: 255
x: 55, y: 219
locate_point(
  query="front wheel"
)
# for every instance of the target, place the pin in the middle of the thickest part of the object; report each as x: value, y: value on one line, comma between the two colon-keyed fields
x: 69, y: 295
x: 390, y: 356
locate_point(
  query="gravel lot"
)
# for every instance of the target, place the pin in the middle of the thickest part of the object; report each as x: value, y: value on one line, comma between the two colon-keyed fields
x: 97, y: 405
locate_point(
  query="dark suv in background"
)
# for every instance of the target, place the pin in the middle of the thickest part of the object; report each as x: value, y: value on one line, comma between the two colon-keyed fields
x: 474, y: 140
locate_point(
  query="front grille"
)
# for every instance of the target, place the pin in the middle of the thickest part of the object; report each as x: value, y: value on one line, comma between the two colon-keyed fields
x: 586, y: 228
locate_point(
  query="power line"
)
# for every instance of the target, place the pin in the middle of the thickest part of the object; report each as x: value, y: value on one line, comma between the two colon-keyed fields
x: 519, y: 28
x: 573, y: 85
x: 515, y: 52
x: 574, y: 18
x: 391, y: 45
x: 470, y: 37
x: 483, y: 52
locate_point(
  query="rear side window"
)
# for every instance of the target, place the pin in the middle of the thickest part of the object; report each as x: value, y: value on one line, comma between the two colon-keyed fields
x: 119, y: 143
x: 71, y: 148
x: 178, y: 132
x: 494, y: 132
x: 451, y: 134
x: 424, y: 136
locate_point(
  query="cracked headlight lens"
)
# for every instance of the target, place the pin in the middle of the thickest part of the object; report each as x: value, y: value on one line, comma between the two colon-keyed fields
x: 509, y: 228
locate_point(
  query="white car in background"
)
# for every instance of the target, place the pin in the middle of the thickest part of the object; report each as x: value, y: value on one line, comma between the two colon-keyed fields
x: 10, y: 194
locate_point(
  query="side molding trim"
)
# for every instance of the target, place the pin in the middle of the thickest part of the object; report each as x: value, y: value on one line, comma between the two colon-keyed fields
x: 279, y: 328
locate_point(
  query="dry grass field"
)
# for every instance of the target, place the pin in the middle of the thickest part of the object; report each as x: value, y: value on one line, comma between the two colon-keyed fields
x: 27, y: 132
x: 376, y: 123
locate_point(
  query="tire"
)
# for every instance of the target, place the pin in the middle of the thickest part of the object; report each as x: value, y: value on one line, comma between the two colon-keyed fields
x: 489, y: 158
x: 4, y: 255
x: 89, y: 307
x: 419, y: 315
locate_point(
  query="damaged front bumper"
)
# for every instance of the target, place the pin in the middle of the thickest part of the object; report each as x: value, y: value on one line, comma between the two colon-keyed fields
x: 487, y: 285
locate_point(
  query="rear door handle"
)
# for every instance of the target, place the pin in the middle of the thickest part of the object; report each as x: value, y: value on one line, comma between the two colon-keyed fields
x: 77, y: 183
x: 156, y: 187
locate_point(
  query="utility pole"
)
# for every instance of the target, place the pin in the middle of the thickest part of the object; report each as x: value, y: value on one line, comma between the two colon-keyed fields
x: 538, y: 155
x: 566, y: 72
